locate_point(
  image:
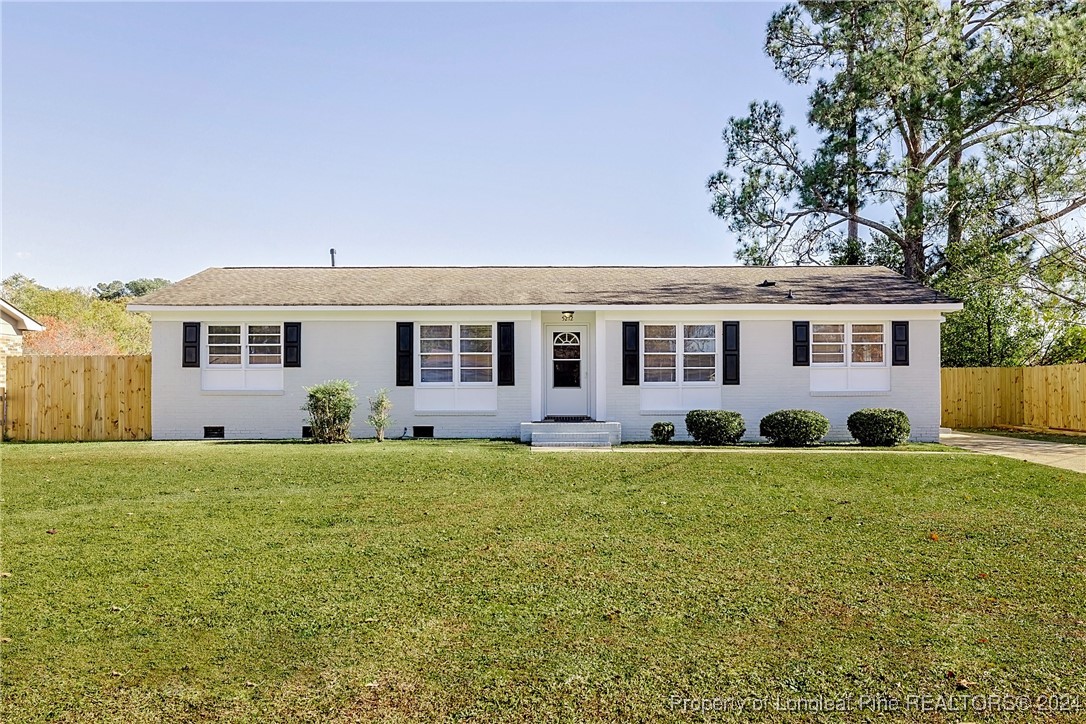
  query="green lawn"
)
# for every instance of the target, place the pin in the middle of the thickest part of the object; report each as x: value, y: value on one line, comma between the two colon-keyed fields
x: 430, y: 580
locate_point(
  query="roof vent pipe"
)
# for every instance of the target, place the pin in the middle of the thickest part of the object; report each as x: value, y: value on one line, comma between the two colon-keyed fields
x: 333, y: 253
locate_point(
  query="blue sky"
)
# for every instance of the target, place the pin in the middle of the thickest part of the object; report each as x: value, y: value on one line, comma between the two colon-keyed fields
x: 144, y: 140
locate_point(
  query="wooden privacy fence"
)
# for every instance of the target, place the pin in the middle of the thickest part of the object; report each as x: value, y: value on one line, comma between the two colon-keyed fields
x: 78, y: 397
x: 1044, y: 397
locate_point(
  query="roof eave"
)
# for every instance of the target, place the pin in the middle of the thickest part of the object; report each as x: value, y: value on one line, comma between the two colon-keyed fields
x: 945, y: 307
x: 29, y: 324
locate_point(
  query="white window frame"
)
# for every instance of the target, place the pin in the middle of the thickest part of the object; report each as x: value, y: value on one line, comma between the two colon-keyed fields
x: 848, y: 346
x: 456, y: 354
x: 680, y: 353
x: 245, y: 364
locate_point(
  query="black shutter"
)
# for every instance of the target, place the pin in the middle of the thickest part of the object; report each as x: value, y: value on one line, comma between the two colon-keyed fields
x: 505, y: 354
x: 900, y: 338
x: 190, y: 344
x: 292, y: 344
x: 801, y: 344
x: 405, y: 347
x: 731, y: 353
x: 631, y: 332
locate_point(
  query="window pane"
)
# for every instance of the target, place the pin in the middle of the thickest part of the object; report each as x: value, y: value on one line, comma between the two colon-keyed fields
x: 475, y: 331
x: 699, y: 360
x: 699, y: 345
x: 234, y: 329
x: 828, y: 328
x: 867, y: 353
x: 659, y: 345
x: 476, y: 375
x: 435, y: 345
x: 567, y: 373
x: 475, y: 360
x: 264, y: 329
x: 827, y: 357
x: 475, y: 345
x: 223, y: 359
x: 665, y: 331
x: 567, y: 351
x: 699, y: 375
x: 265, y: 359
x: 699, y: 330
x: 435, y: 331
x: 867, y: 329
x: 437, y: 375
x: 659, y: 375
x: 659, y: 360
x: 436, y: 360
x: 224, y: 339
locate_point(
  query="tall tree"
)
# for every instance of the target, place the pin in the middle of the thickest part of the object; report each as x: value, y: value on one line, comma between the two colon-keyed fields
x: 117, y: 289
x: 939, y: 123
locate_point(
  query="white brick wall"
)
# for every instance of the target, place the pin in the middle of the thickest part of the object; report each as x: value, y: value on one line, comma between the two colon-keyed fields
x: 362, y: 352
x: 769, y: 382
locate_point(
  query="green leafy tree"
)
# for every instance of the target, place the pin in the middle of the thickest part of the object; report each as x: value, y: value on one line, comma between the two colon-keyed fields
x: 110, y: 290
x: 938, y: 123
x: 117, y: 289
x: 81, y: 320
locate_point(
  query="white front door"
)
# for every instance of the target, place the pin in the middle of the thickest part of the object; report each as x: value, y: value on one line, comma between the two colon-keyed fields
x: 567, y: 370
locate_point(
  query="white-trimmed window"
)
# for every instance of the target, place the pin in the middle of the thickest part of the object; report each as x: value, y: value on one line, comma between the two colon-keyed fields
x: 699, y: 353
x: 853, y: 344
x: 456, y: 354
x: 265, y: 344
x: 245, y: 345
x: 668, y: 358
x: 867, y: 344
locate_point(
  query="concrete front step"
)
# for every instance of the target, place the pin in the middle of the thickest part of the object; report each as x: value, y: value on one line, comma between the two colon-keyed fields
x: 571, y: 434
x: 571, y: 439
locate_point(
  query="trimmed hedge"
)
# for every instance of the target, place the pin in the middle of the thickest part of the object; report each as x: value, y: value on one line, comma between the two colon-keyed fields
x: 662, y: 432
x: 879, y: 426
x: 794, y: 428
x: 715, y: 427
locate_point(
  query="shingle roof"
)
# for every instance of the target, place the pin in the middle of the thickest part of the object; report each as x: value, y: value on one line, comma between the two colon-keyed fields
x: 528, y: 285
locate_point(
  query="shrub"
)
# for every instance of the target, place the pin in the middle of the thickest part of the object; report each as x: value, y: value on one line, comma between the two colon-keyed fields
x: 793, y: 428
x: 380, y: 413
x: 715, y: 427
x: 879, y: 426
x: 330, y: 405
x: 662, y: 432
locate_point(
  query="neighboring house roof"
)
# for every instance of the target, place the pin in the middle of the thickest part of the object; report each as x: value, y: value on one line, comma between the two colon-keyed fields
x: 543, y: 286
x: 23, y: 322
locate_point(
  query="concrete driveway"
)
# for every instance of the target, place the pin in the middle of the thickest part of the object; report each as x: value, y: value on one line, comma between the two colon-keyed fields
x: 1054, y: 454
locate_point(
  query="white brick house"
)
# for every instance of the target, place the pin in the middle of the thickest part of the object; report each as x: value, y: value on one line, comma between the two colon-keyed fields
x: 478, y: 351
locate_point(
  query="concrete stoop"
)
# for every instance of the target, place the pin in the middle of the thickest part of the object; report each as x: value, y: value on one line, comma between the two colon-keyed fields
x: 571, y: 434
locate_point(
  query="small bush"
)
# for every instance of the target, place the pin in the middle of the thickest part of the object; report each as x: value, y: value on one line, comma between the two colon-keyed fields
x: 794, y: 428
x: 879, y: 426
x: 330, y: 405
x: 715, y: 427
x: 662, y: 432
x: 380, y: 413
